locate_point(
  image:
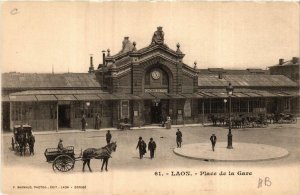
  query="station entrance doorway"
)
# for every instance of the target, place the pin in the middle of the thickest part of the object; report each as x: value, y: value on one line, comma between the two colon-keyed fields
x: 64, y: 116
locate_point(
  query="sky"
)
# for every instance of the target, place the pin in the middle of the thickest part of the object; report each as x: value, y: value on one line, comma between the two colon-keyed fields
x: 37, y: 36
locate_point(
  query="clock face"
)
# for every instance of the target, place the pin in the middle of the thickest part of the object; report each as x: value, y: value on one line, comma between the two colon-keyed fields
x: 155, y: 74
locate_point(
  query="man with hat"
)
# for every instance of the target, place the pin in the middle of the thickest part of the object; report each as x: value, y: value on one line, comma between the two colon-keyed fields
x: 151, y: 147
x: 178, y: 138
x: 108, y: 137
x: 142, y: 147
x: 213, y: 140
x: 83, y: 122
x: 60, y: 145
x: 31, y: 141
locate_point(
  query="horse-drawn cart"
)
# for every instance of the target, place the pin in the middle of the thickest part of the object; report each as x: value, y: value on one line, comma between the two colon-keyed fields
x: 20, y: 137
x: 61, y: 160
x: 285, y: 118
x: 64, y: 160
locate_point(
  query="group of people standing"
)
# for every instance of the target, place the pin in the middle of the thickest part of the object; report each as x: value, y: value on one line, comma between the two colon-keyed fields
x: 142, y: 146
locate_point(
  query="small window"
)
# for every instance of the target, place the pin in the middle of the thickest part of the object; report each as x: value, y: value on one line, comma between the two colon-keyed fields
x: 125, y: 109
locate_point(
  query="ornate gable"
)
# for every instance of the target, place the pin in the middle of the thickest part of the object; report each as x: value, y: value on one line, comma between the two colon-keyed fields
x: 132, y: 70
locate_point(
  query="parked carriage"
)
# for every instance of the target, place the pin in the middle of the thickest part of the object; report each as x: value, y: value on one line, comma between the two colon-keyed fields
x: 64, y: 160
x: 20, y: 140
x: 61, y: 160
x: 285, y: 118
x: 257, y: 121
x: 240, y: 121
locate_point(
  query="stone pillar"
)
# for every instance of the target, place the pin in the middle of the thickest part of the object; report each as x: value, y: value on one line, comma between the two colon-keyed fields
x: 173, y: 115
x: 137, y: 77
x: 115, y: 113
x: 195, y: 110
x: 10, y: 116
x: 137, y: 113
x: 180, y: 106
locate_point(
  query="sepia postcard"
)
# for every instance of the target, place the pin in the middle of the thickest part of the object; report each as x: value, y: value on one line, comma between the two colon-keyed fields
x: 152, y: 97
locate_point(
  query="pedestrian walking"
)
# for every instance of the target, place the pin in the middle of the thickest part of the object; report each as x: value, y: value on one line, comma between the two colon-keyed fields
x: 31, y: 142
x: 213, y: 140
x: 141, y: 145
x: 108, y: 137
x: 98, y: 121
x: 178, y: 138
x: 83, y: 123
x: 151, y: 147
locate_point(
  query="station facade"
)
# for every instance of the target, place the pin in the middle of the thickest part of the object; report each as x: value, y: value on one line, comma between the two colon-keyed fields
x: 143, y: 87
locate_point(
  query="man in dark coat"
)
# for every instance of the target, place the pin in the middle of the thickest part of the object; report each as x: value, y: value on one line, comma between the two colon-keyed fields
x: 178, y: 138
x: 83, y: 123
x: 98, y: 122
x: 60, y: 145
x: 31, y: 141
x: 142, y: 147
x: 151, y: 147
x: 213, y: 140
x: 108, y: 137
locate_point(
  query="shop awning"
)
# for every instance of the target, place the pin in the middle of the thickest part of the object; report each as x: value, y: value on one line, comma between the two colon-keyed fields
x: 5, y: 98
x: 108, y: 96
x: 265, y: 93
x: 191, y: 95
x: 127, y: 96
x: 220, y: 94
x: 160, y: 95
x: 90, y: 97
x: 65, y: 97
x: 293, y: 93
x: 239, y: 94
x: 146, y: 96
x: 175, y: 96
x: 46, y: 98
x: 206, y: 94
x: 23, y: 98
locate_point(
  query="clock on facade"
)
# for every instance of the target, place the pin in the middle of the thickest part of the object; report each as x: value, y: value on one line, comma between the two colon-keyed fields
x: 155, y: 74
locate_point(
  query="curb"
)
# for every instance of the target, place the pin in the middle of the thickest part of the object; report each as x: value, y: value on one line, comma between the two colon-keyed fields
x: 240, y: 161
x: 105, y: 129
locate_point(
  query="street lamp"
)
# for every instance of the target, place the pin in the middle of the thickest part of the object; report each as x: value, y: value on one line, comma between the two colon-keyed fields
x: 225, y: 101
x: 229, y: 90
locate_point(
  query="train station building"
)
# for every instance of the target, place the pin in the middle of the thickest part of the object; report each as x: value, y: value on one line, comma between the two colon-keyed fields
x: 144, y: 86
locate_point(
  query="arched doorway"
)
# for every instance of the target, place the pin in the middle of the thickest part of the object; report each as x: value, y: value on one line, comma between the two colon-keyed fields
x: 156, y: 82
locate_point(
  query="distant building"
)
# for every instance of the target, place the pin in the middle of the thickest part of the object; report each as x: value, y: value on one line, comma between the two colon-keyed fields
x: 142, y: 86
x: 288, y: 68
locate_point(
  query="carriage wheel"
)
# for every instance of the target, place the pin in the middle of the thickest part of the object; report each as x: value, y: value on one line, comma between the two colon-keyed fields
x: 63, y: 163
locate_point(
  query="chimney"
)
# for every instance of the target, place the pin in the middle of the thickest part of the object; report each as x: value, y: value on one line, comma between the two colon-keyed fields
x: 295, y: 60
x: 103, y: 57
x: 91, y: 68
x: 281, y: 61
x: 220, y: 74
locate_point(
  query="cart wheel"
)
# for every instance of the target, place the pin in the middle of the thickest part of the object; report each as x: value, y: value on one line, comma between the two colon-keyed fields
x: 63, y: 163
x: 12, y: 143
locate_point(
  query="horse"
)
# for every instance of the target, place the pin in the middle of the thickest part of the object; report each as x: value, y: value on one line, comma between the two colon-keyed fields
x: 22, y: 143
x: 103, y: 153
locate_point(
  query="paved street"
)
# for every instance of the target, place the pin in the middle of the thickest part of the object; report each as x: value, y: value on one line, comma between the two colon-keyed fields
x: 126, y: 157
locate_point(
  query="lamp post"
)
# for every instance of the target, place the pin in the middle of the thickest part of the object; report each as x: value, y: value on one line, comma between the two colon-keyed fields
x: 225, y: 101
x: 229, y: 90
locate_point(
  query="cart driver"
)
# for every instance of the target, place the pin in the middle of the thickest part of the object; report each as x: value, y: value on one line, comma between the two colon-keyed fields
x: 60, y: 146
